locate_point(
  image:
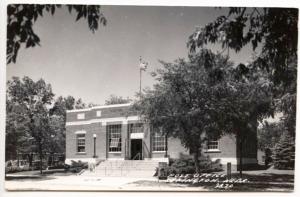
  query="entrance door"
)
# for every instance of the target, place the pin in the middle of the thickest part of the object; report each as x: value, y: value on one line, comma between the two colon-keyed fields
x: 136, y: 149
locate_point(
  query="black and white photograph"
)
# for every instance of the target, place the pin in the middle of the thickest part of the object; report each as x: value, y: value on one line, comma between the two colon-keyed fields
x: 152, y: 98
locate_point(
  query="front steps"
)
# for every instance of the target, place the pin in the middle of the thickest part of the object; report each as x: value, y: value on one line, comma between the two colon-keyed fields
x: 124, y: 168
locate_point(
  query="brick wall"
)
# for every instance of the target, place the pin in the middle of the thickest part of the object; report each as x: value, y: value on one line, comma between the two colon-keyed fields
x: 227, y: 148
x: 175, y: 148
x: 71, y: 141
x: 227, y: 144
x: 112, y: 112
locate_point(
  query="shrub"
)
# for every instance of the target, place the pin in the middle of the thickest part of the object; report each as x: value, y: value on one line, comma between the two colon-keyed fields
x: 284, y: 152
x: 76, y: 166
x: 187, y: 166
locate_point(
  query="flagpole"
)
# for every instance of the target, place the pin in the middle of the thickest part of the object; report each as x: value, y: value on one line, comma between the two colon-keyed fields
x: 140, y: 77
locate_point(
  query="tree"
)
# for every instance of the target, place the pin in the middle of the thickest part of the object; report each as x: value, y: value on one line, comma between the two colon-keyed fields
x: 62, y: 104
x: 113, y: 99
x: 79, y: 104
x: 21, y: 17
x: 34, y: 98
x: 17, y: 132
x: 205, y: 98
x: 269, y: 134
x: 275, y: 31
x: 284, y: 152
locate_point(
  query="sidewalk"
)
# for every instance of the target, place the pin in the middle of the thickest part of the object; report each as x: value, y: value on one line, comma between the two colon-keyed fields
x: 81, y: 183
x: 265, y: 180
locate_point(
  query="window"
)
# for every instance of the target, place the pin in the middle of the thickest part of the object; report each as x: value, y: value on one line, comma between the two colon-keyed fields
x: 115, y: 138
x: 213, y: 145
x: 158, y: 142
x: 136, y: 128
x: 80, y: 116
x: 81, y: 143
x: 98, y: 113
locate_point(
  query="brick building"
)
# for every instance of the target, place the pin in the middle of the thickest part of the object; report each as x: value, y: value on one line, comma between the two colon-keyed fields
x: 114, y: 132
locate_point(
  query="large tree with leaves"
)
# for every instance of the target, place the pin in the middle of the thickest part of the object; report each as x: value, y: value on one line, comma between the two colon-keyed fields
x: 204, y: 98
x: 275, y: 31
x: 21, y: 18
x: 34, y: 100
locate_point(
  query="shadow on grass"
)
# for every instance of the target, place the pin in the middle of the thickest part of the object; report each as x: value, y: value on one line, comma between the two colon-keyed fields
x: 29, y: 178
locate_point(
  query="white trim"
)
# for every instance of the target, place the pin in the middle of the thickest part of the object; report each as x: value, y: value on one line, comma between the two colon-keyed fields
x: 212, y: 151
x: 80, y: 132
x: 121, y: 159
x: 98, y: 113
x: 99, y: 107
x: 160, y: 159
x: 158, y: 151
x: 80, y: 116
x: 136, y: 135
x: 112, y: 152
x: 103, y: 120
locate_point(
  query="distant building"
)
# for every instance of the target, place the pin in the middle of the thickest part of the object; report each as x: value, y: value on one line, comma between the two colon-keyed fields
x: 119, y: 134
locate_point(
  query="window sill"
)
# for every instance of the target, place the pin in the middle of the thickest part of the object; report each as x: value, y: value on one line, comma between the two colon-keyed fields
x: 161, y: 151
x: 212, y: 151
x: 115, y: 152
x: 81, y: 153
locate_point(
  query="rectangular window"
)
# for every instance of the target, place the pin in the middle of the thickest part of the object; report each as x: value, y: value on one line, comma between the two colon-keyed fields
x: 136, y: 128
x: 115, y: 138
x: 213, y: 145
x: 158, y: 142
x: 81, y: 143
x: 80, y: 116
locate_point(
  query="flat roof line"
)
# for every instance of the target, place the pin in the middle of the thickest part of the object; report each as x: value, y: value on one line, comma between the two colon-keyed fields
x: 99, y: 107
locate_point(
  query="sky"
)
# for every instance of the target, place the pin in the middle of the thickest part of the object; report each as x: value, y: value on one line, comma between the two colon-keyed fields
x: 92, y: 66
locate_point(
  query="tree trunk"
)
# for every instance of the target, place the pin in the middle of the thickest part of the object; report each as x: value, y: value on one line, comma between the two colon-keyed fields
x: 241, y: 160
x: 30, y: 156
x: 241, y: 157
x: 196, y: 160
x: 41, y: 158
x: 166, y: 145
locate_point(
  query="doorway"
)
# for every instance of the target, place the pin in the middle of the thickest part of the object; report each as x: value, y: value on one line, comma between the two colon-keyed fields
x: 136, y: 149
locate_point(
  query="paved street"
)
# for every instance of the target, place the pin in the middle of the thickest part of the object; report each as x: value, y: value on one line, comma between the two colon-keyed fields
x: 74, y: 182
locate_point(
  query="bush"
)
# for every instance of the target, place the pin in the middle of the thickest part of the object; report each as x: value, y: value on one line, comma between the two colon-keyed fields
x: 187, y: 166
x: 76, y: 166
x: 284, y: 153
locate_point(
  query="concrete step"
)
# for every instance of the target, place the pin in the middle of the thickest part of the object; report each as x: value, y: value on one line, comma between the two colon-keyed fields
x: 128, y: 168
